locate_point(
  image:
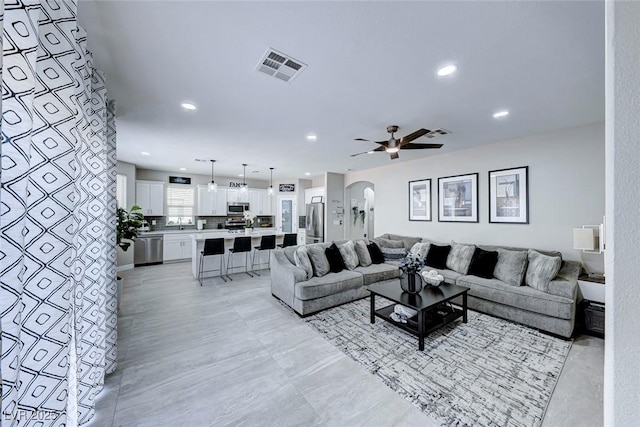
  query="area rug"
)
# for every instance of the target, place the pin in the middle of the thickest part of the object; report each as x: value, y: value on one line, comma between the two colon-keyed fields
x: 487, y: 372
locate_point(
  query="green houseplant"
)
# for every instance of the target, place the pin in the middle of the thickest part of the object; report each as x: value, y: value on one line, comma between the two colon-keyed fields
x: 127, y: 225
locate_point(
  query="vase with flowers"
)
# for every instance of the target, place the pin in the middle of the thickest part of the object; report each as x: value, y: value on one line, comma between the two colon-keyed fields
x: 410, y: 279
x: 249, y: 219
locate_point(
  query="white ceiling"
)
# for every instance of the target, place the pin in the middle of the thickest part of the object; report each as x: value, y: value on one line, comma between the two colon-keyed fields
x: 370, y: 64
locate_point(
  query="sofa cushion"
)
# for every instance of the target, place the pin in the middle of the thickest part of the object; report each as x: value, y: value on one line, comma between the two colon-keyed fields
x: 318, y: 260
x: 329, y: 284
x: 393, y: 254
x: 420, y: 250
x: 388, y: 243
x: 437, y: 256
x: 522, y: 297
x: 378, y: 272
x: 349, y: 255
x: 541, y: 270
x: 289, y: 252
x: 364, y: 257
x: 483, y: 263
x: 511, y: 266
x: 336, y: 263
x: 376, y: 254
x: 302, y: 260
x: 459, y: 257
x: 407, y: 240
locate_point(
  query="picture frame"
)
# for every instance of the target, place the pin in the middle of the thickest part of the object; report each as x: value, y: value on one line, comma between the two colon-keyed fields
x: 509, y: 196
x: 458, y: 198
x: 420, y: 200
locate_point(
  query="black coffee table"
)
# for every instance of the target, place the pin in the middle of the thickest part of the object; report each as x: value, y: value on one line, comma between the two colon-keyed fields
x: 432, y: 312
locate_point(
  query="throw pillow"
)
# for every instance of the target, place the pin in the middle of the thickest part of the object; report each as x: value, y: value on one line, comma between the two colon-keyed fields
x: 437, y: 256
x: 318, y: 260
x: 302, y: 260
x: 376, y: 255
x: 363, y: 253
x: 511, y: 266
x: 483, y: 263
x: 349, y: 255
x: 393, y: 254
x: 419, y: 250
x: 336, y: 263
x: 542, y: 269
x: 387, y: 243
x: 459, y: 257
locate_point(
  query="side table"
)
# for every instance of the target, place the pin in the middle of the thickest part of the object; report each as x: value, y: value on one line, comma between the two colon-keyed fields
x: 592, y: 309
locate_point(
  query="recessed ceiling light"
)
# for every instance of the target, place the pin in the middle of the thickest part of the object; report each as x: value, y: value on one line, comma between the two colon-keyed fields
x: 240, y: 174
x: 501, y: 114
x: 144, y: 153
x: 188, y: 106
x: 369, y: 152
x: 447, y: 70
x: 183, y: 169
x: 312, y: 137
x: 307, y: 173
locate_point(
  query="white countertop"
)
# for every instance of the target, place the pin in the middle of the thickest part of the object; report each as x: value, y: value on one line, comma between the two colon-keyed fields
x: 258, y: 231
x: 228, y: 235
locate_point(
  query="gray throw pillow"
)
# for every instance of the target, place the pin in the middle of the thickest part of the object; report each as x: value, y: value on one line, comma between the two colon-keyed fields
x: 302, y: 260
x: 349, y: 255
x: 420, y: 250
x: 318, y: 259
x: 511, y: 266
x: 363, y: 253
x: 459, y: 257
x: 542, y: 269
x: 386, y: 243
x: 393, y: 254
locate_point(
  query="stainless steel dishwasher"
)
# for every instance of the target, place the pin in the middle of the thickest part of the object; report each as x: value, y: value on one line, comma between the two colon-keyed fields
x: 148, y: 250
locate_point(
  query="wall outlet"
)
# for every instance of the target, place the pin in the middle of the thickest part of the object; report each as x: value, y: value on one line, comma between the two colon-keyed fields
x: 153, y: 222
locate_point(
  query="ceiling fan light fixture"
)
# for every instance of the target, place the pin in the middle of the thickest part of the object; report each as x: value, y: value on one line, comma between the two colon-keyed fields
x: 392, y: 149
x: 447, y: 70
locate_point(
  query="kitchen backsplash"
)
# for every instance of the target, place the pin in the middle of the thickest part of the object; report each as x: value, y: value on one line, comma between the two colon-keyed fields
x: 212, y: 223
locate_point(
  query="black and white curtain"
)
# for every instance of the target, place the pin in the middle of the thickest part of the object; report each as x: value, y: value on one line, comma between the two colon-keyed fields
x: 57, y: 219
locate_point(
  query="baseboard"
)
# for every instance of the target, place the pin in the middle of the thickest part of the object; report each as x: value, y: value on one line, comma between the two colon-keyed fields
x: 124, y: 267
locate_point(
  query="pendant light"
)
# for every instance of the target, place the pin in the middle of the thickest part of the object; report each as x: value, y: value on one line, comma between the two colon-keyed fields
x: 212, y: 186
x: 244, y: 183
x: 270, y: 190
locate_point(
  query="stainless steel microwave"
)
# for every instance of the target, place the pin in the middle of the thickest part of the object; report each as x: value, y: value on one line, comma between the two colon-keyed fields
x: 237, y: 208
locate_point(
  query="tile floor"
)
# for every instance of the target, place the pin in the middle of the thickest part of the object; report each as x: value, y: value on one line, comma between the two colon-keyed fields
x: 231, y: 354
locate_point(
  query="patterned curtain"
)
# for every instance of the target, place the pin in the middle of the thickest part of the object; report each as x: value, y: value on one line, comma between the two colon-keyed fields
x: 57, y: 219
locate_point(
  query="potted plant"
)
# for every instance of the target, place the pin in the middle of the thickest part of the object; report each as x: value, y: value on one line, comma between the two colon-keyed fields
x: 127, y: 226
x: 248, y: 222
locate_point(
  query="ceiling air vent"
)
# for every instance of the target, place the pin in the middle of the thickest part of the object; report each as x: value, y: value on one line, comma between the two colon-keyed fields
x: 281, y: 66
x: 437, y: 132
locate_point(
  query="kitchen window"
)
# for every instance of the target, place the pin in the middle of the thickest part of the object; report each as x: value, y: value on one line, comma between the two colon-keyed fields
x: 180, y: 203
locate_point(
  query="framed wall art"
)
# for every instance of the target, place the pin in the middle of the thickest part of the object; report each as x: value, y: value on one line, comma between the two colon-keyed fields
x: 420, y: 200
x: 458, y: 198
x: 509, y: 195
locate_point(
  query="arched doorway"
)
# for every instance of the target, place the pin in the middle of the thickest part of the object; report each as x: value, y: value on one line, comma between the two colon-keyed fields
x: 360, y: 215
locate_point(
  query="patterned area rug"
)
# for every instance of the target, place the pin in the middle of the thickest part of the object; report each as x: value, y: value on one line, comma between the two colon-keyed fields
x: 488, y: 372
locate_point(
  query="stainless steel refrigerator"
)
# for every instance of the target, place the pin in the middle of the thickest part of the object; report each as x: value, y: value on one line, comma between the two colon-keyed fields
x: 315, y: 223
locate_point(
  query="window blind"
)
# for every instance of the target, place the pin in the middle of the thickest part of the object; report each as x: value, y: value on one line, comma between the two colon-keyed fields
x: 121, y: 191
x: 180, y: 201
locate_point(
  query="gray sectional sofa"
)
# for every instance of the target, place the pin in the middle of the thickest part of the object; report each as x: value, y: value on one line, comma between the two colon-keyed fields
x: 552, y: 310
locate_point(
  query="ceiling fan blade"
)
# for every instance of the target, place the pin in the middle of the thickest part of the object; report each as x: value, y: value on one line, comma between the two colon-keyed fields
x: 357, y: 154
x: 415, y: 135
x: 381, y: 148
x: 420, y: 146
x: 394, y: 156
x: 362, y: 139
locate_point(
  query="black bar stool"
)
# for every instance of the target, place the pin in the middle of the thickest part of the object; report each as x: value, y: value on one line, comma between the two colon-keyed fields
x: 211, y: 247
x: 266, y: 244
x: 240, y: 244
x: 290, y: 239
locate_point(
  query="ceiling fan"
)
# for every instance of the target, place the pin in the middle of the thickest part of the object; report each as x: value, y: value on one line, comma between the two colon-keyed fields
x: 393, y: 145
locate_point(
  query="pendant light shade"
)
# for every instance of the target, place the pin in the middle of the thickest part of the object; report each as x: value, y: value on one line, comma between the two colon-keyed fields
x: 244, y: 183
x: 212, y: 186
x: 270, y: 190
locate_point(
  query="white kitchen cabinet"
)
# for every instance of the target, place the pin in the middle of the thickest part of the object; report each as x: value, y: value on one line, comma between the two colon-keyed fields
x: 150, y: 197
x: 235, y: 195
x: 176, y: 247
x: 210, y: 203
x: 259, y: 202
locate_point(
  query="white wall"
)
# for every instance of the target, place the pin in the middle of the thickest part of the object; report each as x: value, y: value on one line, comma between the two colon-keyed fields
x: 566, y: 190
x: 196, y: 179
x: 622, y: 344
x: 334, y: 205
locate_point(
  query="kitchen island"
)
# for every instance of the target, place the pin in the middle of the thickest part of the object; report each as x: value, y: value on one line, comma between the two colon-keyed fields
x: 197, y: 243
